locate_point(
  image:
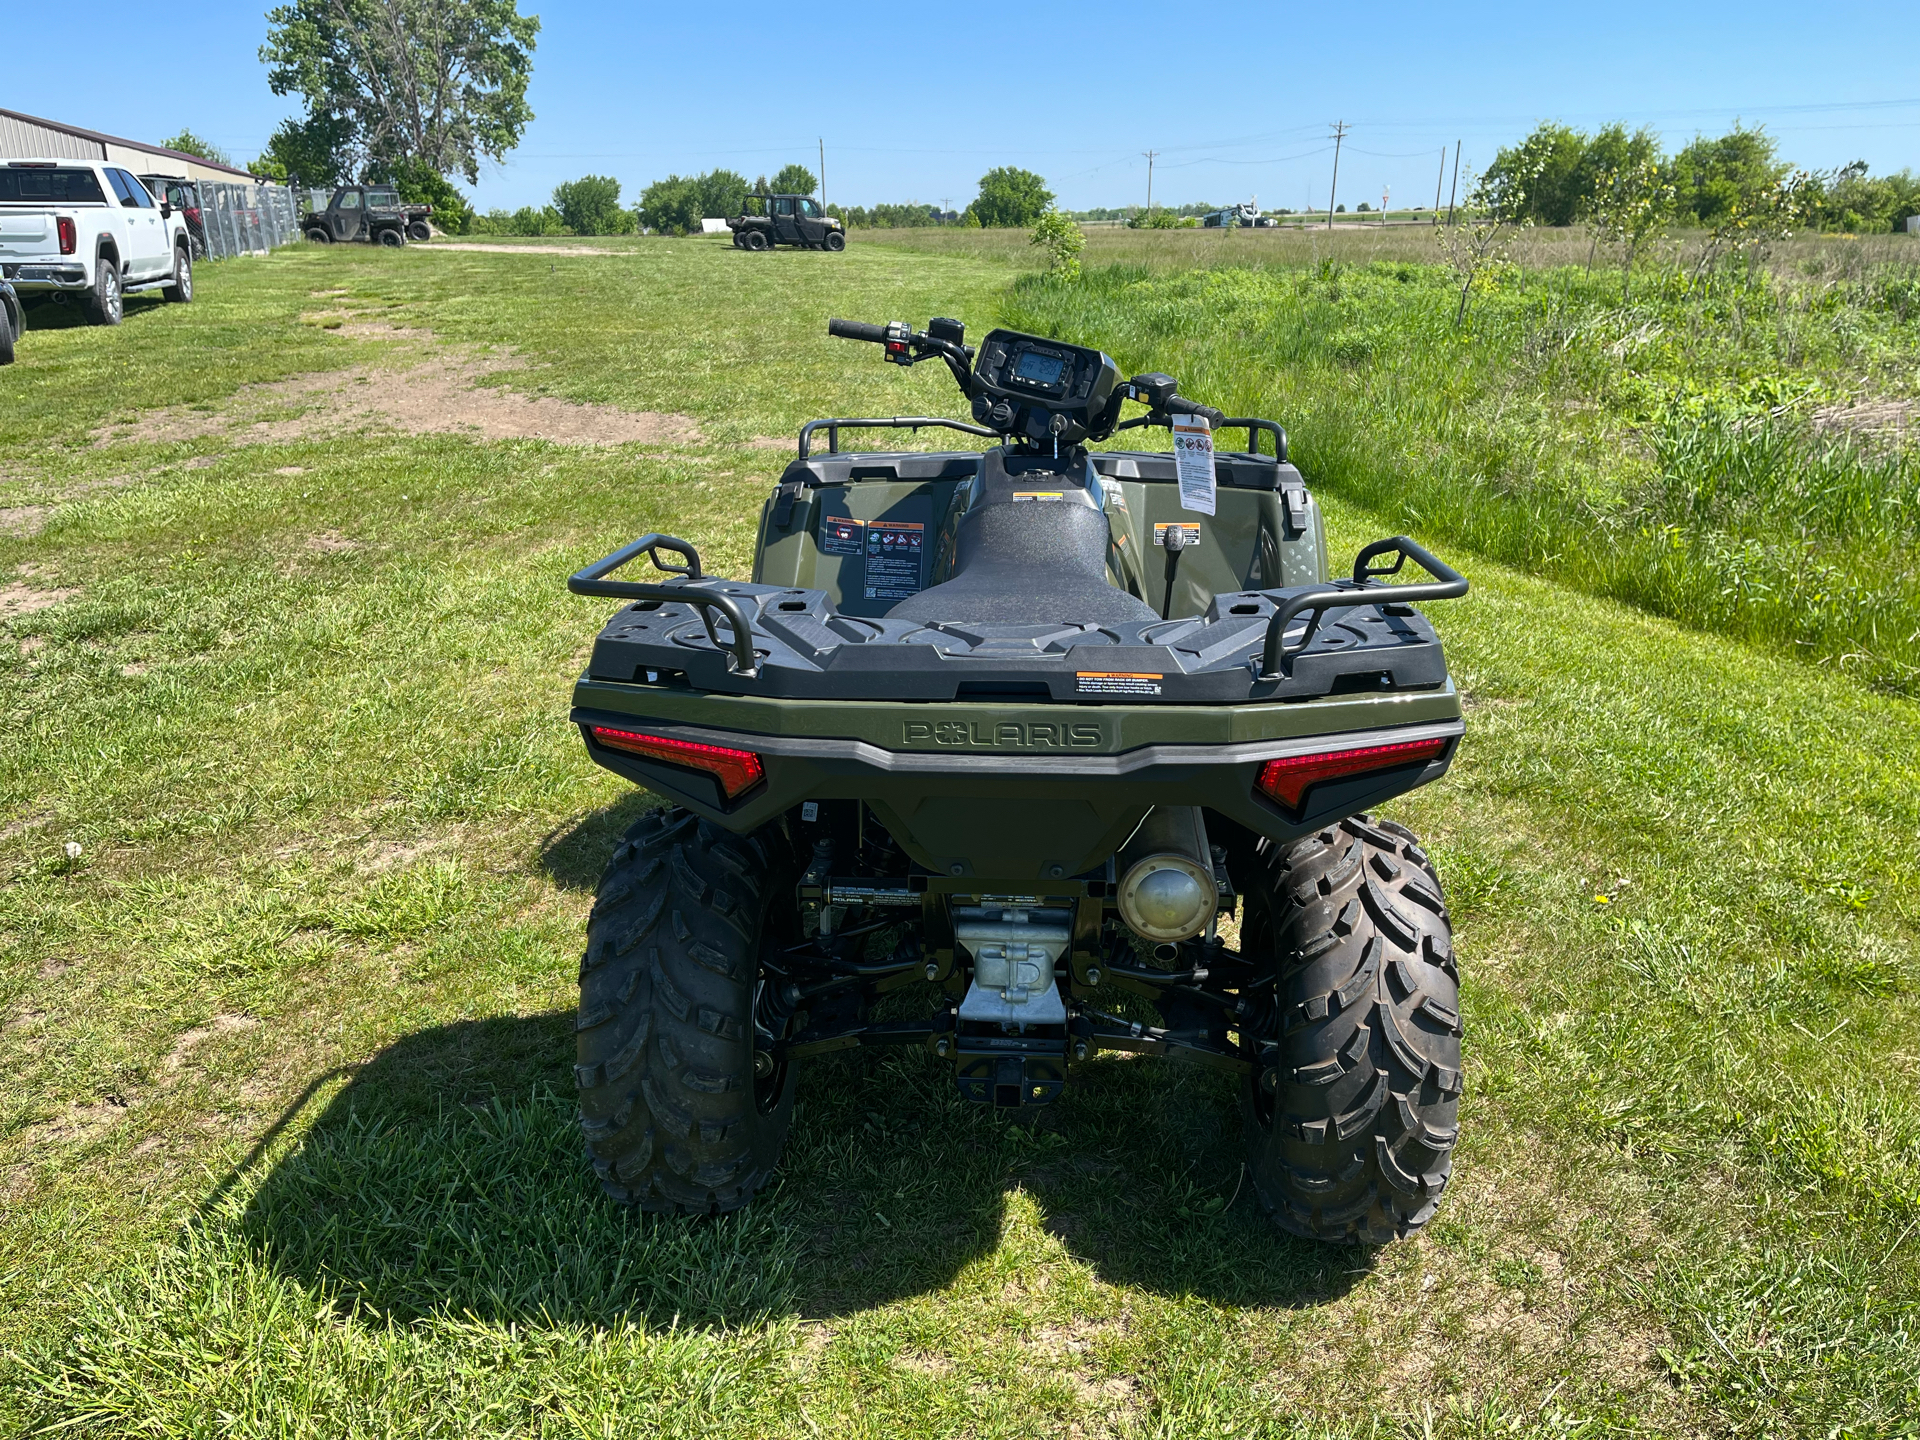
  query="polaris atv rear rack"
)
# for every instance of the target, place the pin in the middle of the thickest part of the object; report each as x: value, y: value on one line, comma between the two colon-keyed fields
x: 1276, y: 660
x: 593, y: 581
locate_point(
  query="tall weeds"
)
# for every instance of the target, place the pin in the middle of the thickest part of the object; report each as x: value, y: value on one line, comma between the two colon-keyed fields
x: 1689, y: 453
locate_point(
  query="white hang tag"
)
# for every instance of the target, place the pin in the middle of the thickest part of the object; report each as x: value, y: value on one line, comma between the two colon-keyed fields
x: 1193, y: 461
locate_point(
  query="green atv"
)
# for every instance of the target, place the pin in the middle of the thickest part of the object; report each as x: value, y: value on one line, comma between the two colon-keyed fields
x: 990, y: 748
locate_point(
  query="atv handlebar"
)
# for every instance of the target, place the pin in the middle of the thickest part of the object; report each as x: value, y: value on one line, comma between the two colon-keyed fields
x: 1180, y: 405
x: 857, y: 330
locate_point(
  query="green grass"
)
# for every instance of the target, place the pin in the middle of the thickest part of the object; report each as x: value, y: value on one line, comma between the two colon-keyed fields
x: 285, y: 1146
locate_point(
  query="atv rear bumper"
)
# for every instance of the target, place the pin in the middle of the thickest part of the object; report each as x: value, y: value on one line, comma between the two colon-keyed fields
x: 1018, y: 792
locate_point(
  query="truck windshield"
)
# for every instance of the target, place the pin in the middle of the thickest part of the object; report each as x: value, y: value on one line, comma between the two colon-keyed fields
x: 19, y: 185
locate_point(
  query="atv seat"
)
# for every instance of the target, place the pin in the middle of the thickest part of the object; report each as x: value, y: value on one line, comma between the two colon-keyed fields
x: 1032, y: 562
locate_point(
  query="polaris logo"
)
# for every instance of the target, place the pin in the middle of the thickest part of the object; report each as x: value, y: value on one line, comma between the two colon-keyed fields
x: 1002, y: 735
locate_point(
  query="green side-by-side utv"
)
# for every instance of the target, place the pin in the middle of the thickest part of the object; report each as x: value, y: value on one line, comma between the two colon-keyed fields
x: 993, y: 745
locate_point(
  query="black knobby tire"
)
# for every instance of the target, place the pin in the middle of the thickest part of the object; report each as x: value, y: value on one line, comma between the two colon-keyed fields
x: 835, y: 241
x: 180, y: 292
x: 107, y: 302
x: 12, y: 322
x: 1350, y: 1128
x: 392, y: 237
x: 417, y: 230
x: 317, y: 236
x: 755, y: 240
x: 673, y: 1116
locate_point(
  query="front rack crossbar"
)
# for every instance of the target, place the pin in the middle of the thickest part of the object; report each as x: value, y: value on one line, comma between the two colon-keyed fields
x: 894, y: 422
x: 1363, y: 589
x: 688, y: 587
x: 1254, y: 428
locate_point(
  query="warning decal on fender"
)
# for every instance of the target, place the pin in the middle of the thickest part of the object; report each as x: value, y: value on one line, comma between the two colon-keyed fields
x: 894, y: 554
x: 842, y: 535
x: 1116, y: 682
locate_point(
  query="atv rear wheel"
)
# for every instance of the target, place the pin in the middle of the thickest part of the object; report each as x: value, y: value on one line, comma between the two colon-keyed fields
x: 672, y: 1112
x: 754, y: 240
x: 1352, y: 1117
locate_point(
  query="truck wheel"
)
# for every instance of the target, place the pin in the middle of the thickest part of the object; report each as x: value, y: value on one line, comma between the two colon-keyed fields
x: 675, y: 1117
x: 180, y: 292
x: 835, y: 241
x: 755, y: 240
x: 1352, y: 1116
x: 319, y: 236
x: 106, y: 304
x: 418, y: 230
x: 392, y: 237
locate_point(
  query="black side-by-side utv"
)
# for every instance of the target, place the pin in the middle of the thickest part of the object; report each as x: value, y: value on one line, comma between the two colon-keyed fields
x: 1017, y: 731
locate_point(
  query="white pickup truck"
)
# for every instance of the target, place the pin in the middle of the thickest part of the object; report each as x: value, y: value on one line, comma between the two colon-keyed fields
x: 86, y: 228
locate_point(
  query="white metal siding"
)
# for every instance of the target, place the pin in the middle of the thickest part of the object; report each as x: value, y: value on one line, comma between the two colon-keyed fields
x: 21, y: 139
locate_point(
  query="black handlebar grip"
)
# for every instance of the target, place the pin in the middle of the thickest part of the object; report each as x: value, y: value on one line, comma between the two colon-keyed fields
x: 857, y: 330
x: 1180, y: 405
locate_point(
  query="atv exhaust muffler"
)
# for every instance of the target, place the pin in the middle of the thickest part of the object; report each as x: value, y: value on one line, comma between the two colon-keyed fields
x: 1167, y: 889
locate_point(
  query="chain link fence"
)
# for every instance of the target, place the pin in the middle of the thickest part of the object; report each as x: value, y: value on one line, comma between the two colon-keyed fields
x: 246, y: 219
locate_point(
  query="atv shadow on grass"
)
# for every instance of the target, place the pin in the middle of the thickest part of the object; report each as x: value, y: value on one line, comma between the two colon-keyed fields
x: 444, y: 1180
x: 575, y: 854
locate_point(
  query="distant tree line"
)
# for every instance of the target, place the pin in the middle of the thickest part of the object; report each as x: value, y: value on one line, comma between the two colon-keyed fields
x: 1709, y: 184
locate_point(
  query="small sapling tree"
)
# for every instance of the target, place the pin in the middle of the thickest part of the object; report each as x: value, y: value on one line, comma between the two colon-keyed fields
x: 1496, y: 211
x: 1062, y: 240
x: 1630, y: 208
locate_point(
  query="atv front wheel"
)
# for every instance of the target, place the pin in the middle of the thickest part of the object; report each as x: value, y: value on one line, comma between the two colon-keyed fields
x: 1352, y: 1117
x: 673, y: 1114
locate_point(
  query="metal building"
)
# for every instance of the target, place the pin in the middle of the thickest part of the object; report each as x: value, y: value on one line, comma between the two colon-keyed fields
x: 25, y: 137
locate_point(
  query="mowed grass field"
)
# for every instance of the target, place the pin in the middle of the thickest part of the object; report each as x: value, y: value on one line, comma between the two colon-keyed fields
x: 286, y: 1140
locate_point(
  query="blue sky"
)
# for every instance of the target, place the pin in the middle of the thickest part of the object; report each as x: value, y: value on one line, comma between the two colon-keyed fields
x: 915, y: 101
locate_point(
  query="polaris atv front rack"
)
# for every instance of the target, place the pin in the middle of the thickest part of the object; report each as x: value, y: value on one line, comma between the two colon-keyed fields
x: 893, y: 422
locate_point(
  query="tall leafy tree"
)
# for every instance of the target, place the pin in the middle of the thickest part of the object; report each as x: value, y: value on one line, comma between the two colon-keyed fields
x: 794, y: 180
x: 439, y: 83
x: 1552, y: 156
x: 1011, y: 197
x: 591, y: 206
x: 721, y: 193
x: 191, y: 144
x: 317, y: 149
x: 1715, y: 178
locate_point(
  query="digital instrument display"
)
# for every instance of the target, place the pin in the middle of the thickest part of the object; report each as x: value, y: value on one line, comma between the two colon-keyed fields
x: 1038, y: 368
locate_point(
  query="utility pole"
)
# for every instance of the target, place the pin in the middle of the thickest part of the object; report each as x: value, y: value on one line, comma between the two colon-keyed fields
x: 823, y: 174
x: 1451, y: 194
x: 1438, y: 181
x: 1149, y: 154
x: 1339, y: 134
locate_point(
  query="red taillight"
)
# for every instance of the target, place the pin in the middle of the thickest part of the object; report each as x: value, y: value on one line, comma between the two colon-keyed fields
x: 192, y: 212
x: 1287, y: 780
x: 69, y: 238
x: 738, y: 771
